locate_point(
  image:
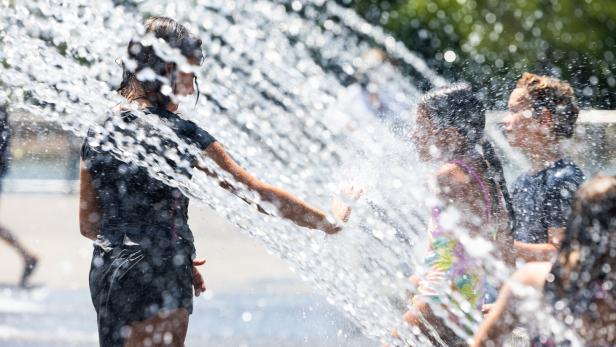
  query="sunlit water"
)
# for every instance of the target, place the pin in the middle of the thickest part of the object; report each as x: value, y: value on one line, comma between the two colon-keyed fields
x: 274, y: 73
x: 30, y: 318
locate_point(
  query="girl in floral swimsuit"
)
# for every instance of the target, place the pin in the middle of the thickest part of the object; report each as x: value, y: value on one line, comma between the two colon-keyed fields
x: 448, y: 261
x: 450, y: 130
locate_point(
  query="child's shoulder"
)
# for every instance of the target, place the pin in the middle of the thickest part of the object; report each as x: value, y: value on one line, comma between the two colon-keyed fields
x: 451, y: 173
x: 565, y: 173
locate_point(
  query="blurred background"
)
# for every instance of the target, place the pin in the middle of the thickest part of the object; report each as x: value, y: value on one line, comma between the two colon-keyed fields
x: 490, y: 43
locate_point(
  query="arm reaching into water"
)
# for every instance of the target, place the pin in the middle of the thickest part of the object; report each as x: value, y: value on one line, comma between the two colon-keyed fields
x: 497, y: 323
x: 289, y: 206
x: 90, y: 210
x: 503, y: 318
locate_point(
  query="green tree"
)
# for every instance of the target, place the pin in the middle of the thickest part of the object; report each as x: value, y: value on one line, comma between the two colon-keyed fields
x: 491, y: 42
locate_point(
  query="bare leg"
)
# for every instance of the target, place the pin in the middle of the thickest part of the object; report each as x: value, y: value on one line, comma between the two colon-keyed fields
x: 30, y: 260
x: 165, y: 329
x: 6, y: 235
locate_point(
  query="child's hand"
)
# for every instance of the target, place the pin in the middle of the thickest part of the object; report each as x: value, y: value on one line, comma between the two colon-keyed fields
x: 331, y: 228
x: 485, y: 309
x: 341, y: 210
x: 198, y: 281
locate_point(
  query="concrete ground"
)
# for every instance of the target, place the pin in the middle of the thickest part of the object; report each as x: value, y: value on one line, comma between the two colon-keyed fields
x: 253, y: 299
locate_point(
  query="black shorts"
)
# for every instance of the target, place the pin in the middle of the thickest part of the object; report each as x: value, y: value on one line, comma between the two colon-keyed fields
x: 129, y: 284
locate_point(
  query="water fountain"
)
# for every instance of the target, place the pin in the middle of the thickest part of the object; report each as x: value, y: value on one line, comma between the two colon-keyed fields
x: 273, y: 70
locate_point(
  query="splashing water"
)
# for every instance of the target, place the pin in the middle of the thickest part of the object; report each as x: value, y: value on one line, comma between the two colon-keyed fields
x: 273, y: 72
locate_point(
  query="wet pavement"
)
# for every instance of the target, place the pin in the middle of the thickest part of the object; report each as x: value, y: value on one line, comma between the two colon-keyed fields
x: 43, y: 317
x: 253, y: 299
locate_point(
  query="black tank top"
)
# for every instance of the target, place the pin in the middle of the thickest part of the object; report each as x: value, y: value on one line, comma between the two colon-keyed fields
x: 138, y: 208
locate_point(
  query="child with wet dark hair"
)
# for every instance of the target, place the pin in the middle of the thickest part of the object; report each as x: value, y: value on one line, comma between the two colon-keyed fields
x: 449, y: 131
x: 578, y: 290
x: 542, y: 113
x: 144, y: 271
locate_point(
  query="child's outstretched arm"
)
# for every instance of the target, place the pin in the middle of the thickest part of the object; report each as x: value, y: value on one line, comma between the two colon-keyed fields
x: 503, y: 315
x: 289, y: 206
x: 497, y: 323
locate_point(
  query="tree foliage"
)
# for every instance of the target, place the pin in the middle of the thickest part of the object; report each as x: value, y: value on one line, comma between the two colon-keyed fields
x: 494, y: 41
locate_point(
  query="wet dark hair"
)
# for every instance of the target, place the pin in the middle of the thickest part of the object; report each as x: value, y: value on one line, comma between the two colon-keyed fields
x: 555, y: 95
x: 591, y: 231
x: 457, y: 106
x: 176, y: 36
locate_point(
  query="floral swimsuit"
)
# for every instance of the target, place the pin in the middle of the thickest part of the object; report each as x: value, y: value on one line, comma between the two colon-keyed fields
x: 448, y: 262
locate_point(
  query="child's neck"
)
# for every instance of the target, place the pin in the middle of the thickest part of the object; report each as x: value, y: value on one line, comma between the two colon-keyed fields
x: 542, y: 157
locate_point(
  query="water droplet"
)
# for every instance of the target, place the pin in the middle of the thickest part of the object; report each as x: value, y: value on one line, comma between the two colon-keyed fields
x: 450, y: 56
x: 247, y: 317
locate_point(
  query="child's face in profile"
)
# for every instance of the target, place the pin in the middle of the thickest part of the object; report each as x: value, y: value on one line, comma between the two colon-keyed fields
x: 184, y: 84
x: 522, y: 128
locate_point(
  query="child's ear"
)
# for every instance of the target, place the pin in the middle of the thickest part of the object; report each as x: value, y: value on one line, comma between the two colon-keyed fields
x: 452, y: 137
x: 169, y: 68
